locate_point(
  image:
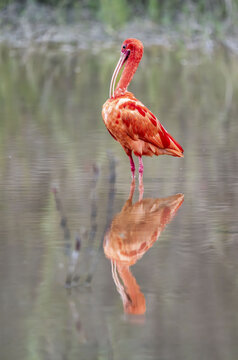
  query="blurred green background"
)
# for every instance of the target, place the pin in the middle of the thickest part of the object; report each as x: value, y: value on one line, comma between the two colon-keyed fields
x: 117, y: 13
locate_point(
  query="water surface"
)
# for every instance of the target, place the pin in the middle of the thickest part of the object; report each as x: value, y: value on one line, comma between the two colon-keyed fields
x: 63, y: 179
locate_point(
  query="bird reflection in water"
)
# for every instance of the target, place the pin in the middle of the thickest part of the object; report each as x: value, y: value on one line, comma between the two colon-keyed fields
x: 131, y: 234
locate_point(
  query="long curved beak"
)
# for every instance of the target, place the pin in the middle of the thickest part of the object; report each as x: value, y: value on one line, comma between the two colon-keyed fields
x: 120, y: 63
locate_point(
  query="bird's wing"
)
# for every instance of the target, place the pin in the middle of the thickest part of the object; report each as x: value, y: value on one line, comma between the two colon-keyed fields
x: 140, y: 123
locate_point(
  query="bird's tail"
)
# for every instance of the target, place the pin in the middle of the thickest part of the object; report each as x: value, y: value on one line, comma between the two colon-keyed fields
x: 170, y: 145
x: 174, y: 148
x: 173, y: 152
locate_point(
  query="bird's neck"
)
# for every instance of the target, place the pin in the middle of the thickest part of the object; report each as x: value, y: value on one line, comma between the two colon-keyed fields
x: 127, y: 75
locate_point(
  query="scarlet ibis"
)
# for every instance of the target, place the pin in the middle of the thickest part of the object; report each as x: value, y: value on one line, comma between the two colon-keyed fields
x: 132, y: 233
x: 130, y: 122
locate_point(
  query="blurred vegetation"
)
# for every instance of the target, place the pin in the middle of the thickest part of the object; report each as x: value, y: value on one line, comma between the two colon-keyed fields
x: 117, y: 12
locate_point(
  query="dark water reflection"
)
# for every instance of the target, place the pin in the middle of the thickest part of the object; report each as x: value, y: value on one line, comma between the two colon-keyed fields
x: 51, y: 136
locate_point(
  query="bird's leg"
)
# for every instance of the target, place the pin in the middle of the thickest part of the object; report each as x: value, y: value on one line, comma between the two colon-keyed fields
x: 141, y: 167
x: 132, y: 166
x: 141, y: 185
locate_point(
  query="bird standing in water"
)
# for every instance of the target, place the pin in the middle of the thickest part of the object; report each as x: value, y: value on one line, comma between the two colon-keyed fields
x: 130, y: 122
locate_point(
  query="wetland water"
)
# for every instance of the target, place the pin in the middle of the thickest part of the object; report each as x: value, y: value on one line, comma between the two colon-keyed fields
x: 55, y: 305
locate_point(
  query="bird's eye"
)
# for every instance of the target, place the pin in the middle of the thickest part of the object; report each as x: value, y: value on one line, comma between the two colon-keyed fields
x: 124, y: 46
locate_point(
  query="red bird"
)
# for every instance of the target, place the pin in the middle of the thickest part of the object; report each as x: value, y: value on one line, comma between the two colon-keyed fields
x: 130, y: 122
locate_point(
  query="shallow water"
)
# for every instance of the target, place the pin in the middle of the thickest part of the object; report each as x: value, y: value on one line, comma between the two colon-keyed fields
x: 63, y: 180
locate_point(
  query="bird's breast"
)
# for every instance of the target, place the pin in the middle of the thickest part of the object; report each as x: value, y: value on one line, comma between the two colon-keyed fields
x: 111, y: 110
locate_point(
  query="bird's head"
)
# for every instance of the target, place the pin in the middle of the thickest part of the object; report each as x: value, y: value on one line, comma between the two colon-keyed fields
x: 132, y: 48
